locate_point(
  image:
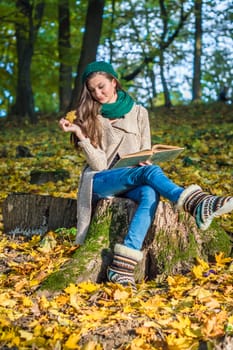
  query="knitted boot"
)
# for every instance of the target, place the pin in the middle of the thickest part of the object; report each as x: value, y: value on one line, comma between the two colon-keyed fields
x: 203, y: 206
x: 122, y: 268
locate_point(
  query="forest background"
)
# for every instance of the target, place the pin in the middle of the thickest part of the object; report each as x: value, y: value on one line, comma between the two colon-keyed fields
x: 174, y: 57
x: 166, y: 52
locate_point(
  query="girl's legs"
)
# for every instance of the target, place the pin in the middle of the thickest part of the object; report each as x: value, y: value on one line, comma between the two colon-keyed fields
x: 204, y: 207
x: 118, y: 181
x: 127, y: 256
x: 147, y: 200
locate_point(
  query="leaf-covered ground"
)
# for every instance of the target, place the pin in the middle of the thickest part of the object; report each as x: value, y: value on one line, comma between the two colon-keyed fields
x: 194, y: 311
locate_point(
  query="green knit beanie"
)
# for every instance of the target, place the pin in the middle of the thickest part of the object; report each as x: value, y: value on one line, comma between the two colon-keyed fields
x: 98, y: 66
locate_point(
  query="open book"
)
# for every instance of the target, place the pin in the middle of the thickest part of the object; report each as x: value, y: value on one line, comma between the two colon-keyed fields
x: 158, y: 153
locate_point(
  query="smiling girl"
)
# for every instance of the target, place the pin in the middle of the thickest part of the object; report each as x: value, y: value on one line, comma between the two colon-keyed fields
x: 108, y: 125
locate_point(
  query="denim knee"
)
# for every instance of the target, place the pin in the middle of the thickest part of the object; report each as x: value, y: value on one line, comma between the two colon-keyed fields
x: 148, y: 194
x: 147, y: 199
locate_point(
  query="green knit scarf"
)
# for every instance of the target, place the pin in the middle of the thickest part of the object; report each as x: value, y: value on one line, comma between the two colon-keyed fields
x: 118, y: 109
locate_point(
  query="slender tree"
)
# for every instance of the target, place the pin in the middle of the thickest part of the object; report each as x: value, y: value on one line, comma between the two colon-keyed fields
x: 196, y: 95
x: 27, y: 25
x: 91, y: 39
x: 162, y: 26
x: 65, y: 70
x: 166, y: 39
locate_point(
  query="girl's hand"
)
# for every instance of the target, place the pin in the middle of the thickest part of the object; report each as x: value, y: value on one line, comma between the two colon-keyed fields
x: 67, y: 126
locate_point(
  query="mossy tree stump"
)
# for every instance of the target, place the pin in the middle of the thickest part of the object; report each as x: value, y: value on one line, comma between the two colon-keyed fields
x: 171, y: 245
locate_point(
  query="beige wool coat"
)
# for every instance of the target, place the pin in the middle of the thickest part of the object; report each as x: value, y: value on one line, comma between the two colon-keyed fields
x: 126, y: 135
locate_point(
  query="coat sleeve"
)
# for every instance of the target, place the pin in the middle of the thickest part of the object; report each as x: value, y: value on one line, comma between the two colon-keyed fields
x: 95, y: 157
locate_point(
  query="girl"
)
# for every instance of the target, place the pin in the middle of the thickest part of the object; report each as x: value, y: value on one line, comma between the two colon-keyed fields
x: 110, y: 124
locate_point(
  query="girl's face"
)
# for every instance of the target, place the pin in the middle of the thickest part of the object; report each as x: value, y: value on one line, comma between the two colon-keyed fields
x: 102, y: 89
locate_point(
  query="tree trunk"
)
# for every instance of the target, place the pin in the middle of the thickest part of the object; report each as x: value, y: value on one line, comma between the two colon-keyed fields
x: 166, y: 39
x: 65, y: 76
x: 29, y: 20
x: 197, y: 52
x: 171, y: 246
x: 166, y: 93
x: 91, y: 38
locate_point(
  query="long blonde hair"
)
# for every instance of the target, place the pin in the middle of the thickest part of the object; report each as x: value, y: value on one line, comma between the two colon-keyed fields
x: 87, y: 113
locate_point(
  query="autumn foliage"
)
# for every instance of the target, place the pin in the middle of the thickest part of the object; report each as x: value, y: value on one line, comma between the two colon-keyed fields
x: 184, y: 312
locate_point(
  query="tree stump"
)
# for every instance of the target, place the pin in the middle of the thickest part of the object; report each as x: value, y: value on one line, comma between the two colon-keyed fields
x: 29, y: 214
x: 171, y: 246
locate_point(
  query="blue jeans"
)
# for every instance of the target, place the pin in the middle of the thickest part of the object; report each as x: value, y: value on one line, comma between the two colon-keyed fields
x: 144, y: 185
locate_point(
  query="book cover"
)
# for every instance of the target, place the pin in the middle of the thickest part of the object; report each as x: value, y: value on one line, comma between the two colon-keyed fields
x: 158, y: 153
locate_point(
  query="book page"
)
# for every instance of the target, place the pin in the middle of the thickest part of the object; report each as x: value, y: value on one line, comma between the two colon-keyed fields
x: 160, y: 147
x: 160, y: 155
x: 165, y: 155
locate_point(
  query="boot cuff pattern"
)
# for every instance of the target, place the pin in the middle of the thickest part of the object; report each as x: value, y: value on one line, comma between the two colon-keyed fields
x: 186, y: 193
x: 134, y: 254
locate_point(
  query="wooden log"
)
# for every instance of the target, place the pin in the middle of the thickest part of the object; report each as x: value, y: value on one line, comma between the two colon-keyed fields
x: 29, y: 214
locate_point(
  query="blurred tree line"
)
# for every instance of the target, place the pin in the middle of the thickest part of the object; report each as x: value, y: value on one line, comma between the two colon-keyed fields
x: 166, y: 52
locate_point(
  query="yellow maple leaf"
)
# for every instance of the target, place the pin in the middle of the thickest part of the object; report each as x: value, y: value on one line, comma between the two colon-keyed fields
x: 198, y: 271
x: 200, y: 293
x: 181, y: 343
x: 215, y: 324
x: 72, y: 341
x: 185, y: 328
x: 143, y: 331
x: 34, y: 283
x: 44, y: 303
x: 212, y: 303
x: 6, y: 300
x: 4, y: 322
x: 25, y: 334
x: 71, y: 289
x: 75, y: 301
x: 37, y: 328
x: 181, y: 322
x: 21, y: 284
x: 62, y: 299
x: 10, y: 338
x: 64, y: 321
x: 203, y: 263
x: 120, y: 295
x: 71, y: 116
x: 88, y: 286
x: 27, y: 301
x: 137, y: 344
x: 178, y: 281
x: 171, y: 281
x: 220, y: 260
